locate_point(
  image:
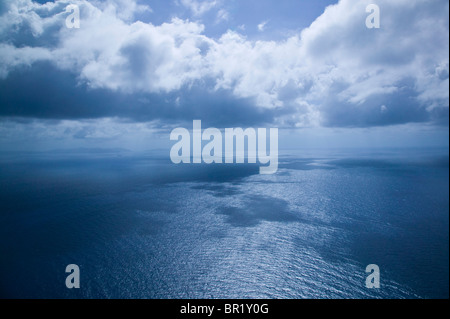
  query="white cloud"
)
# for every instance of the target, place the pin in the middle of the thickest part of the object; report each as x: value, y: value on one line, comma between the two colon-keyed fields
x: 198, y: 8
x: 25, y: 56
x: 336, y: 62
x: 262, y: 26
x: 124, y: 9
x: 222, y: 15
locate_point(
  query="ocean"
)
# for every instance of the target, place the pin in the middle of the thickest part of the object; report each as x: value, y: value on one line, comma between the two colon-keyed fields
x: 139, y: 226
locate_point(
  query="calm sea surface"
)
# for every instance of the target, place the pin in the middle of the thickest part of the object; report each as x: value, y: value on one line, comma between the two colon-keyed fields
x: 139, y: 226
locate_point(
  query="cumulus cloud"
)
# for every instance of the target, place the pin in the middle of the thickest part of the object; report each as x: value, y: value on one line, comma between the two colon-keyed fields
x: 262, y: 26
x: 198, y: 8
x: 337, y: 72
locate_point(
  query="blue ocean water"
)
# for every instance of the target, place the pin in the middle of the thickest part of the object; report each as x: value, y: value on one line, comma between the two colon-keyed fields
x: 139, y: 226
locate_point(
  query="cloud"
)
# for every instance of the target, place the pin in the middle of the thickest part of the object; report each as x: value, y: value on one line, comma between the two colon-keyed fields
x: 222, y: 15
x: 262, y: 26
x: 44, y: 91
x: 26, y: 56
x: 335, y: 73
x: 198, y: 8
x: 123, y: 9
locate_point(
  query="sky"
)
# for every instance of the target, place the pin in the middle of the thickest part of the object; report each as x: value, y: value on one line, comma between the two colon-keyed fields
x: 136, y: 69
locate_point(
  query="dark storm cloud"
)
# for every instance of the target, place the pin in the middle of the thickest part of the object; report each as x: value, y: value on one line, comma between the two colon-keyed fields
x: 46, y: 92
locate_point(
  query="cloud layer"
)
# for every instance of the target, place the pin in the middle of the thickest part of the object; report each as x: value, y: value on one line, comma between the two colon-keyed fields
x: 336, y: 73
